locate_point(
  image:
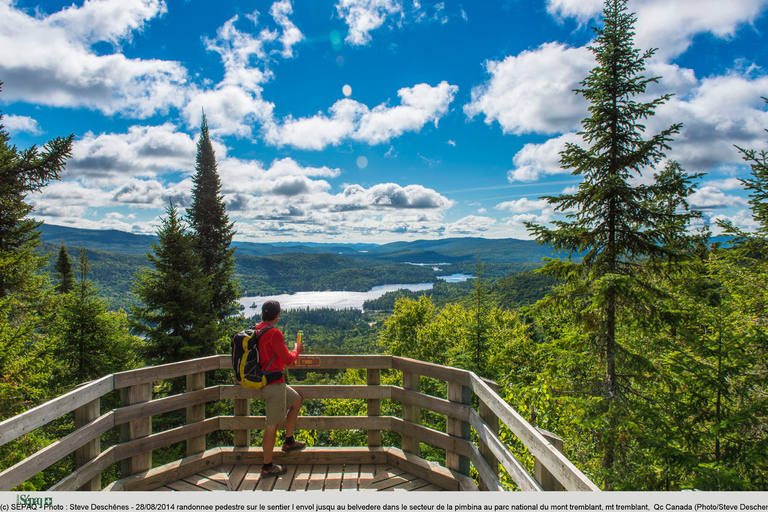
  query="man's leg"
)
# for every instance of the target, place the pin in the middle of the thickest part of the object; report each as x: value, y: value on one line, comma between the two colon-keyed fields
x: 290, y: 418
x: 268, y: 444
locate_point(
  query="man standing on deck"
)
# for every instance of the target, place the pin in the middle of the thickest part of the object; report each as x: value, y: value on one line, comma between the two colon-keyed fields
x: 282, y: 401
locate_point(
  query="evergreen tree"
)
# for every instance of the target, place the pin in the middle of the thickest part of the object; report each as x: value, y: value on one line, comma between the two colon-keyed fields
x: 616, y: 225
x: 23, y: 290
x: 176, y: 316
x: 92, y: 341
x: 25, y: 360
x: 212, y: 229
x: 64, y: 273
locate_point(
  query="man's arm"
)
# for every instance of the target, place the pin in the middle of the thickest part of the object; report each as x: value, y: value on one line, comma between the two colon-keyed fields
x: 281, y: 350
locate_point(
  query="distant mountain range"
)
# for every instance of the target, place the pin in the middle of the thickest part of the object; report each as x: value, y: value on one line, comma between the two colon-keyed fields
x: 448, y: 250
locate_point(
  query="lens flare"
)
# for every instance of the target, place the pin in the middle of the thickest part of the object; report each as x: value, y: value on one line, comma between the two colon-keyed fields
x: 347, y: 90
x: 362, y: 162
x: 335, y: 38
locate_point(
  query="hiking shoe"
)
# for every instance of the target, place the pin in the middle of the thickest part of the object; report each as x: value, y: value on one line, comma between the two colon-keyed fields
x: 272, y: 470
x: 294, y: 446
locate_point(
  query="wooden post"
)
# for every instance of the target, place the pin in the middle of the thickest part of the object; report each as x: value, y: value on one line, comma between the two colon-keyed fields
x: 543, y: 476
x: 136, y: 429
x: 412, y: 382
x: 195, y: 413
x: 493, y: 422
x: 242, y: 408
x: 83, y: 416
x: 460, y: 394
x: 374, y: 407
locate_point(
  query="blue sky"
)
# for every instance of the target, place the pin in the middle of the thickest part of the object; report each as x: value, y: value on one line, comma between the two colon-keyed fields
x: 361, y: 120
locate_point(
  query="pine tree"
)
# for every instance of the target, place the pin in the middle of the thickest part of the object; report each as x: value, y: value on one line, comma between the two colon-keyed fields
x: 212, y: 229
x: 616, y: 226
x: 176, y: 316
x: 64, y: 273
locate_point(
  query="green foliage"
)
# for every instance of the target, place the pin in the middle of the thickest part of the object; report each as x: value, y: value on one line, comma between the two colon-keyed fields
x: 91, y: 342
x: 175, y: 316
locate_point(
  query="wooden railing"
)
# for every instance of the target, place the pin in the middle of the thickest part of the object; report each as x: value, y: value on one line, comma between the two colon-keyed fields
x: 134, y: 418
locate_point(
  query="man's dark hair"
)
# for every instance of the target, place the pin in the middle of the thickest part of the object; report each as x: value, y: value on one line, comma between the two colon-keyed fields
x: 270, y: 310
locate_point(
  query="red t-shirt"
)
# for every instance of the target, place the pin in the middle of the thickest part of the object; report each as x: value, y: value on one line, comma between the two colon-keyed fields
x: 271, y: 344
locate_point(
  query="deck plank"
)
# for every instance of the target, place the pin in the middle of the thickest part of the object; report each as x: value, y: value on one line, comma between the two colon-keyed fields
x: 266, y: 484
x: 351, y: 477
x: 367, y: 471
x: 237, y: 475
x: 205, y: 482
x: 334, y: 477
x: 413, y: 485
x: 181, y: 485
x: 301, y: 478
x: 251, y: 478
x: 284, y: 481
x: 304, y: 477
x: 317, y: 479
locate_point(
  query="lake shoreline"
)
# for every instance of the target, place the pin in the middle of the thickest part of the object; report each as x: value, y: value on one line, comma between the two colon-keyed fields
x: 336, y: 299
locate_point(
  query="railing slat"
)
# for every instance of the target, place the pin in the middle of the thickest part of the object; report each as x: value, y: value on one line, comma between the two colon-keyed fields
x: 28, y: 421
x: 312, y: 422
x: 433, y: 403
x: 373, y: 405
x: 563, y: 469
x: 431, y: 436
x: 154, y: 441
x: 435, y: 371
x: 166, y: 404
x: 87, y: 472
x: 29, y: 467
x: 319, y: 392
x: 487, y: 476
x: 165, y: 371
x: 516, y: 470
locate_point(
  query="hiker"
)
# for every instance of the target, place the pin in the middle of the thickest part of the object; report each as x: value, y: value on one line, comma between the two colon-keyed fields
x: 282, y: 401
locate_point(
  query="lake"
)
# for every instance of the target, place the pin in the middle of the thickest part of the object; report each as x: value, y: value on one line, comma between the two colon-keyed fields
x: 336, y: 299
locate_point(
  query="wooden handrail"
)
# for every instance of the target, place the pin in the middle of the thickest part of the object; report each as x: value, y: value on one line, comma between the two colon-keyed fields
x: 460, y: 415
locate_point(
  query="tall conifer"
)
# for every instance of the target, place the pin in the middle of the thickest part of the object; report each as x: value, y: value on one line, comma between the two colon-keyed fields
x: 23, y: 304
x: 614, y: 222
x: 176, y: 316
x: 212, y: 229
x: 64, y: 272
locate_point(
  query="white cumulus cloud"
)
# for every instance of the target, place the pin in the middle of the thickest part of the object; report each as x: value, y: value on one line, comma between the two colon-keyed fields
x: 50, y: 60
x: 533, y: 91
x: 349, y: 119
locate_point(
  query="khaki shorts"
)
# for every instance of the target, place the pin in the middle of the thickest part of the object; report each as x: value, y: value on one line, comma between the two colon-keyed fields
x: 278, y: 398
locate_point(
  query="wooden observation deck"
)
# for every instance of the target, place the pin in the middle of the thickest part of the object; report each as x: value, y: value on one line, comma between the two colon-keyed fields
x: 470, y: 439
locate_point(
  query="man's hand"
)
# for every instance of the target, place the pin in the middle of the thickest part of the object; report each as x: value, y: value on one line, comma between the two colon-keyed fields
x: 300, y: 346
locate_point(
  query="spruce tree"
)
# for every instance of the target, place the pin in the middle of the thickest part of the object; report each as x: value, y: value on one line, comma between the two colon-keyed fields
x: 176, y: 316
x: 212, y: 229
x: 93, y: 342
x: 613, y: 224
x: 23, y: 289
x: 64, y: 273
